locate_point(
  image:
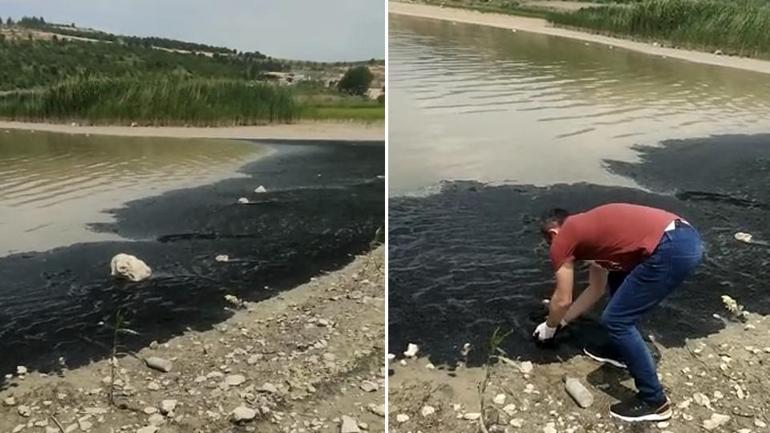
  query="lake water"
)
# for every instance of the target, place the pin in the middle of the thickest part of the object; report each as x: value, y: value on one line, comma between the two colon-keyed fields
x: 53, y: 185
x: 484, y: 122
x: 471, y: 102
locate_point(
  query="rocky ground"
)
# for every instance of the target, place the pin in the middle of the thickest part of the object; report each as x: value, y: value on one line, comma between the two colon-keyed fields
x: 309, y: 360
x: 717, y: 383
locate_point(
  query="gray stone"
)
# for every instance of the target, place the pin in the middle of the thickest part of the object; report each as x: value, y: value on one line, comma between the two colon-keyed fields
x: 242, y: 413
x: 234, y: 380
x: 349, y: 425
x: 159, y: 364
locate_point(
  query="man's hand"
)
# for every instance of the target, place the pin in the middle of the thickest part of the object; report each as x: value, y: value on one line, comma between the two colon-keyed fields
x: 543, y: 332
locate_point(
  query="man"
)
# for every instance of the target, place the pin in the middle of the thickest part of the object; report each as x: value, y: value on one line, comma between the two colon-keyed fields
x: 645, y: 253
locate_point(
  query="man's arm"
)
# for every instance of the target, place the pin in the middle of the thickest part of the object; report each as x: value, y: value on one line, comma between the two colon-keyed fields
x: 597, y: 286
x: 562, y: 295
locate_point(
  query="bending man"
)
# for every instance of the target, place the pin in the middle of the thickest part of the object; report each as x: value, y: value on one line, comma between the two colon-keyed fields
x: 644, y: 253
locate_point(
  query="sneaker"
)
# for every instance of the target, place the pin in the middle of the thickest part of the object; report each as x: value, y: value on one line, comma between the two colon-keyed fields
x: 636, y: 410
x: 605, y: 354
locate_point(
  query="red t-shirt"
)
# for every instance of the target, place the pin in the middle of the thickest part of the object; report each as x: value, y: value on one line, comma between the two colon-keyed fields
x: 617, y: 236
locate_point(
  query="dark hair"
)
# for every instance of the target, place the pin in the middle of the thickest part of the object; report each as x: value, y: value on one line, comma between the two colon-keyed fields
x: 551, y: 218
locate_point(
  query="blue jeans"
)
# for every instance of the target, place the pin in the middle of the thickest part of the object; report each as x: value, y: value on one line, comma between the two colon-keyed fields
x: 676, y: 257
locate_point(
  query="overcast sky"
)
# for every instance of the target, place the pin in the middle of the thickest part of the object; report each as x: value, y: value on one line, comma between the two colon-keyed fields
x: 323, y: 30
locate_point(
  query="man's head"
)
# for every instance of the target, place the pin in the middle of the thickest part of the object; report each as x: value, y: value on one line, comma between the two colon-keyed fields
x: 551, y: 222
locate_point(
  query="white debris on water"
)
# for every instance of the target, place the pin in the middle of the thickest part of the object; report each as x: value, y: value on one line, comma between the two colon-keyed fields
x: 260, y: 189
x: 743, y: 237
x: 129, y: 267
x: 222, y: 258
x: 243, y: 200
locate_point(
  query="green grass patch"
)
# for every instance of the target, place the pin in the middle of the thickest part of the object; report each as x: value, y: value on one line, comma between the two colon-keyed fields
x: 739, y: 27
x: 154, y: 101
x: 492, y: 6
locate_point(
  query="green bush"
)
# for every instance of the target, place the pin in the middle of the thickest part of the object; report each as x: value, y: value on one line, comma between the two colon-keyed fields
x: 356, y: 80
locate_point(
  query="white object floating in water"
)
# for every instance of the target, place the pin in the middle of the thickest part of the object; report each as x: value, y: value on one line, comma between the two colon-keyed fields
x: 129, y: 267
x: 260, y: 189
x: 222, y: 258
x: 743, y: 237
x: 411, y: 350
x: 243, y: 200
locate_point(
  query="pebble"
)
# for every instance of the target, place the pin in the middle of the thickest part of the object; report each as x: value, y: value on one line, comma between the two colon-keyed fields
x: 234, y: 380
x: 510, y: 409
x: 10, y: 401
x: 153, y: 386
x: 156, y: 419
x: 24, y: 411
x: 242, y: 413
x: 167, y: 406
x: 349, y: 425
x: 159, y: 364
x: 715, y: 421
x: 759, y: 423
x: 516, y: 422
x: 663, y: 424
x: 21, y: 370
x: 526, y: 367
x: 378, y: 410
x: 268, y: 388
x: 148, y: 429
x: 149, y: 410
x: 402, y: 418
x: 499, y: 399
x: 549, y: 428
x: 472, y: 416
x: 369, y: 386
x: 427, y: 410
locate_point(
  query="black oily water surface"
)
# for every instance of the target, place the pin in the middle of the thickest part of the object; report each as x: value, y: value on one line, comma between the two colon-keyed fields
x: 469, y: 260
x: 325, y: 201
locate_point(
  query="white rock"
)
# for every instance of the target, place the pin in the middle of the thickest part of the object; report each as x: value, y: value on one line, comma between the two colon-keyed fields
x: 701, y: 399
x: 391, y: 356
x: 156, y: 419
x: 427, y: 410
x: 268, y: 388
x: 759, y: 423
x: 242, y: 413
x: 159, y: 364
x: 472, y: 416
x: 743, y: 237
x: 430, y: 366
x: 369, y: 386
x: 234, y: 380
x: 499, y: 399
x: 715, y: 421
x: 21, y: 370
x: 549, y: 428
x: 10, y: 401
x: 526, y: 367
x: 150, y: 410
x: 411, y: 350
x: 402, y: 418
x: 148, y: 429
x: 516, y: 422
x: 349, y: 425
x: 18, y: 428
x: 129, y: 267
x: 260, y: 189
x: 24, y: 411
x: 378, y: 410
x: 663, y: 424
x: 167, y: 406
x: 510, y: 409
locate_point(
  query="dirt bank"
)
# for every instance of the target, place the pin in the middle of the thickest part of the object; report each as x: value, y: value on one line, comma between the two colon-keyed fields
x: 537, y: 25
x: 300, y: 360
x: 300, y: 131
x: 727, y: 368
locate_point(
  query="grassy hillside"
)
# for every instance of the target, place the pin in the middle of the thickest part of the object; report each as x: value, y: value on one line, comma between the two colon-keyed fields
x: 46, y: 75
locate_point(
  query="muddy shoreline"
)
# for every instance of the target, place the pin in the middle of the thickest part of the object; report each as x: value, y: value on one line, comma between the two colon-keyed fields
x: 324, y: 203
x: 354, y: 131
x: 538, y: 25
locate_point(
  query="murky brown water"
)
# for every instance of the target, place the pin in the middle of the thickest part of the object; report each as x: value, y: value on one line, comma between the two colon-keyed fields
x: 53, y: 185
x: 470, y: 102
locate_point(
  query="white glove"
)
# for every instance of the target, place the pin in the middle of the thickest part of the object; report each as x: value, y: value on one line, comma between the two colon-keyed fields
x: 544, y: 332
